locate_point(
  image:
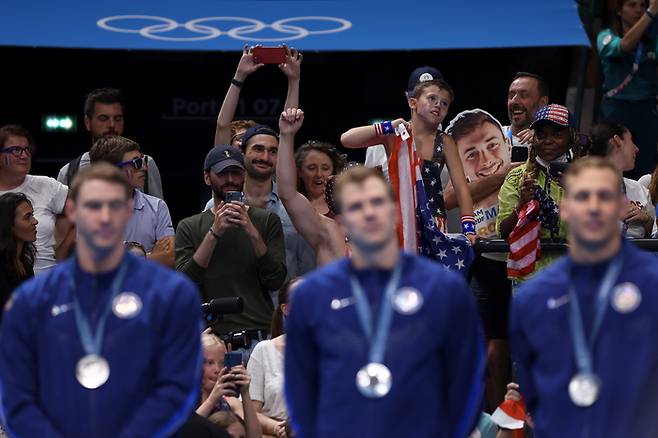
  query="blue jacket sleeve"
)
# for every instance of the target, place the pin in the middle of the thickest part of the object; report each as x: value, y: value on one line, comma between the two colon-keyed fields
x: 301, y: 364
x: 21, y: 413
x: 177, y: 367
x: 464, y: 360
x: 522, y: 353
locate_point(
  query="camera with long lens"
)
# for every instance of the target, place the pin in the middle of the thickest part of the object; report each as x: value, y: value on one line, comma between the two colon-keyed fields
x: 215, y: 309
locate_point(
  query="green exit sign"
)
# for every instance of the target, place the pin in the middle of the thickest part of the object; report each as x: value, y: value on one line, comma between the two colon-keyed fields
x: 61, y: 123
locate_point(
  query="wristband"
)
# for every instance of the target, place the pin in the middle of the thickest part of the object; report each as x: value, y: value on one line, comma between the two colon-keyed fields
x: 215, y: 235
x: 651, y: 14
x: 468, y: 225
x: 237, y: 83
x: 387, y: 128
x: 378, y: 129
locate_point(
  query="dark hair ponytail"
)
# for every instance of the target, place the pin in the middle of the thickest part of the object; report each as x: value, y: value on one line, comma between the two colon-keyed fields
x: 602, y: 133
x: 277, y: 328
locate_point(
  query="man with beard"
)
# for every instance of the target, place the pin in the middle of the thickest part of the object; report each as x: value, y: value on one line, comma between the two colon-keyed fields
x: 527, y: 93
x: 260, y: 145
x: 233, y: 250
x: 104, y: 109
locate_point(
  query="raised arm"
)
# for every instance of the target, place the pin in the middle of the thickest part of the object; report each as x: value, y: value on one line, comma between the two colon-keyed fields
x: 370, y: 135
x: 304, y: 217
x: 292, y: 69
x: 458, y: 178
x: 632, y: 38
x: 246, y: 66
x: 479, y: 189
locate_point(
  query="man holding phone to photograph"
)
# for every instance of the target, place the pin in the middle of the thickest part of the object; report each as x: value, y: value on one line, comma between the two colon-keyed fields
x: 233, y: 249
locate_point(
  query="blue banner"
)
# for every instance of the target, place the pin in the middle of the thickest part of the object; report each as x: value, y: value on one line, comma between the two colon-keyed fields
x: 305, y: 24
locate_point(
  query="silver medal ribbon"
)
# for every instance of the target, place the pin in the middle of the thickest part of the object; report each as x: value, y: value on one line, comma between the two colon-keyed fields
x: 377, y: 336
x: 92, y: 341
x: 584, y: 386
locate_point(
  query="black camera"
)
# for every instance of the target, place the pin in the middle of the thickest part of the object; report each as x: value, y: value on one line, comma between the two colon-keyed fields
x: 215, y: 308
x: 240, y: 339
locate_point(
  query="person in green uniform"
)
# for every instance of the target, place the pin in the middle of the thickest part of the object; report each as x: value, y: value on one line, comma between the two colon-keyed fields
x: 627, y: 50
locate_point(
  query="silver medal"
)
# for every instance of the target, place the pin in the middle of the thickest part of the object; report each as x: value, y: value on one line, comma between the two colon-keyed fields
x: 626, y: 297
x: 92, y: 371
x: 374, y: 380
x: 407, y: 300
x: 584, y: 389
x: 126, y: 305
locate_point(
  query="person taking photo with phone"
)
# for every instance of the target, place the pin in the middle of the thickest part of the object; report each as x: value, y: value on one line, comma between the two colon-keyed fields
x: 233, y: 250
x: 532, y: 185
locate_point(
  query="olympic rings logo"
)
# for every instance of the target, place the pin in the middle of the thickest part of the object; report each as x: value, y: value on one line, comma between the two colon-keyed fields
x: 206, y: 32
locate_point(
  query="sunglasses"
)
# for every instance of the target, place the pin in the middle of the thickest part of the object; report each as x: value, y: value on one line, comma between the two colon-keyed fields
x: 17, y: 151
x: 137, y: 163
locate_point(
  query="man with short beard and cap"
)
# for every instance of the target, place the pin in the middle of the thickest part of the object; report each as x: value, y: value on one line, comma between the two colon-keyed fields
x: 232, y: 249
x: 260, y: 145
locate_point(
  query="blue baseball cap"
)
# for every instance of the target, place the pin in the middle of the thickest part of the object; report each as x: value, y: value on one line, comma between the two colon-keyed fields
x: 223, y: 156
x: 258, y: 130
x: 422, y: 74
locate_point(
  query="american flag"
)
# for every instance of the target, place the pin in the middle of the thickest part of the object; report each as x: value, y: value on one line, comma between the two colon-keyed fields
x: 554, y: 113
x: 524, y: 245
x: 417, y: 230
x: 549, y: 212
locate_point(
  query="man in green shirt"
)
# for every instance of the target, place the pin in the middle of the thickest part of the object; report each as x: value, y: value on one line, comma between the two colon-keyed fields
x: 233, y: 250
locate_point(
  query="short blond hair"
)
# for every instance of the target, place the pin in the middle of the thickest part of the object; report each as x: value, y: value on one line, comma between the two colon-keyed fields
x: 582, y: 164
x: 101, y: 171
x: 209, y: 339
x: 357, y: 175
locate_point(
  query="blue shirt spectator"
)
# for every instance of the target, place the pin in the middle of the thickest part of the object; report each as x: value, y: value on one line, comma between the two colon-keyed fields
x: 150, y: 221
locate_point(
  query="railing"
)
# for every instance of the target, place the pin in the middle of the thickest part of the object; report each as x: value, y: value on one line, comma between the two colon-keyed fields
x: 500, y: 245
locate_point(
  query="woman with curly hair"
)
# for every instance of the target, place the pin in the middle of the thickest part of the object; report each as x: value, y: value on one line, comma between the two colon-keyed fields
x: 317, y: 162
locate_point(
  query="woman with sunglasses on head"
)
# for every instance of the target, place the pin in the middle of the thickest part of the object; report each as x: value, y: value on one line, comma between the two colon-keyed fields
x: 55, y: 233
x: 18, y: 231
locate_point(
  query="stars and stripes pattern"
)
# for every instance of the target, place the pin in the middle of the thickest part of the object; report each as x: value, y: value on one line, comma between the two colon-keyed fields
x: 554, y: 113
x: 549, y: 212
x: 417, y: 228
x: 524, y: 244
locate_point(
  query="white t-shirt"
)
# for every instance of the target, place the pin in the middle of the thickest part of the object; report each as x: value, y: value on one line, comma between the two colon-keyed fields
x: 48, y: 197
x: 376, y: 157
x: 516, y: 141
x: 639, y: 196
x: 266, y: 369
x: 645, y: 181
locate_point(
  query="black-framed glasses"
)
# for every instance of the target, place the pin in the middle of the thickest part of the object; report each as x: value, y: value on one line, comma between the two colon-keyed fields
x: 17, y: 151
x: 137, y: 163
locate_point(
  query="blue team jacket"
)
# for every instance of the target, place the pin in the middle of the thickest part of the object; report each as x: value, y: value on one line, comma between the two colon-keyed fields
x: 436, y: 358
x: 154, y: 357
x: 625, y: 355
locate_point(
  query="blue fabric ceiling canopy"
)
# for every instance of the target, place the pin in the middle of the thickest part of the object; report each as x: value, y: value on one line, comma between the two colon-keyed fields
x: 306, y: 24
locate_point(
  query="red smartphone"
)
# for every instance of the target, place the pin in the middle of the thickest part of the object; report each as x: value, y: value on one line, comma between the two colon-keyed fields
x: 269, y: 55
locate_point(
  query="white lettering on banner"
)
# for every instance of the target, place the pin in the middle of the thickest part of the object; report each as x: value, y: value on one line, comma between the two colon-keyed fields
x: 202, y: 31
